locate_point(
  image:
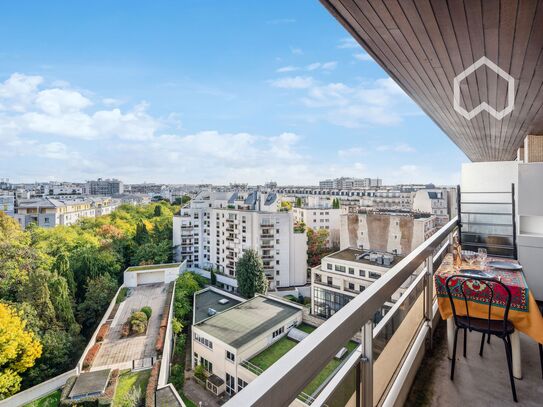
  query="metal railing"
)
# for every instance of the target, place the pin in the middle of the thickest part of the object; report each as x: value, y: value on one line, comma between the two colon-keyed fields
x: 282, y: 383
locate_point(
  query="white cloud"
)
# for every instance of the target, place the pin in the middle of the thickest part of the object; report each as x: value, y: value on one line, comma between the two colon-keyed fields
x: 328, y: 66
x: 325, y: 66
x: 57, y: 101
x: 362, y: 56
x: 347, y: 42
x: 398, y: 148
x: 293, y: 82
x: 17, y: 92
x: 351, y: 152
x: 296, y: 51
x: 288, y: 68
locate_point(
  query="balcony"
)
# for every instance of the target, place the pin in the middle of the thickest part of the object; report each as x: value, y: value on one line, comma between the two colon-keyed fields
x: 266, y: 236
x: 386, y: 357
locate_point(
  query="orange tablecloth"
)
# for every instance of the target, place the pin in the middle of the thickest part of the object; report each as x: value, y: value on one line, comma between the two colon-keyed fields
x: 524, y: 313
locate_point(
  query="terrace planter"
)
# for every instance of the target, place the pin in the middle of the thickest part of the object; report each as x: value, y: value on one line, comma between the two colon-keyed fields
x: 91, y: 355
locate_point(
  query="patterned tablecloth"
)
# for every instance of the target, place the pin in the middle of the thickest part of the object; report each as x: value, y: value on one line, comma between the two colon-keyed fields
x: 523, y: 313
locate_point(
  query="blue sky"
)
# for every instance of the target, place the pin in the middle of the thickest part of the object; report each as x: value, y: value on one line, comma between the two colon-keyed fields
x: 203, y: 91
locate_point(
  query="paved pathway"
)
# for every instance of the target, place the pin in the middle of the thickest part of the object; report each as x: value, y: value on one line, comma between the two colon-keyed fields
x: 117, y: 352
x: 198, y: 394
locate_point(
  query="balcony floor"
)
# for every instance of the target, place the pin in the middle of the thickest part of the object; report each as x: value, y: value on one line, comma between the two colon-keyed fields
x: 477, y: 381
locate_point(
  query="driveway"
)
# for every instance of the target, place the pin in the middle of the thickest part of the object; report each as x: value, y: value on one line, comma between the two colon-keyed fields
x: 117, y: 352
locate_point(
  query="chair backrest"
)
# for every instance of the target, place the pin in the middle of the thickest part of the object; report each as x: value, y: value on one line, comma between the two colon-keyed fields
x: 489, y: 286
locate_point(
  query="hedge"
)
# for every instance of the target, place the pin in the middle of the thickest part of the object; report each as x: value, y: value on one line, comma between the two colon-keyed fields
x: 102, y: 332
x: 147, y: 311
x: 91, y: 354
x: 159, y: 344
x: 152, y: 385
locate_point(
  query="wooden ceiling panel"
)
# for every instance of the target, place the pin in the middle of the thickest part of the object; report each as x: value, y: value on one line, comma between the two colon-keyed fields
x: 424, y: 44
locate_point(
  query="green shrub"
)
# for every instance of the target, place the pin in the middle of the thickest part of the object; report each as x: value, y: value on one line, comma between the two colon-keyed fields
x: 122, y: 295
x: 147, y: 311
x: 138, y: 327
x: 139, y: 316
x: 199, y: 372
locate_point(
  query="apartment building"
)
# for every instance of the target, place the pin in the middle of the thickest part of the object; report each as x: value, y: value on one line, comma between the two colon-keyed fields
x: 343, y: 275
x: 434, y: 201
x: 228, y: 331
x: 322, y: 218
x: 350, y: 183
x: 51, y: 212
x: 106, y: 187
x: 397, y: 232
x: 217, y: 227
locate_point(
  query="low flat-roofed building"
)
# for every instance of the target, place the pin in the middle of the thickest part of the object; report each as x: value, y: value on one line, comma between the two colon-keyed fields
x: 90, y: 384
x: 235, y: 332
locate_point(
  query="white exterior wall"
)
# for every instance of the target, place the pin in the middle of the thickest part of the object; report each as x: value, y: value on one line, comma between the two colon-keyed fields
x: 322, y: 218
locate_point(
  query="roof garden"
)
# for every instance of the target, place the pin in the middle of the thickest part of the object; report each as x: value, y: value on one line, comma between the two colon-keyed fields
x: 154, y: 266
x: 272, y: 354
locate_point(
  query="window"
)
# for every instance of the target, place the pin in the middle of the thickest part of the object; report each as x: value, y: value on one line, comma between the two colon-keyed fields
x: 278, y: 332
x: 339, y: 268
x: 318, y: 278
x: 230, y: 356
x: 374, y: 275
x: 241, y: 384
x: 327, y: 303
x: 351, y: 286
x: 329, y: 281
x: 276, y: 261
x: 230, y: 384
x: 206, y: 342
x: 195, y: 358
x: 362, y: 288
x: 206, y: 364
x: 329, y: 266
x: 351, y: 270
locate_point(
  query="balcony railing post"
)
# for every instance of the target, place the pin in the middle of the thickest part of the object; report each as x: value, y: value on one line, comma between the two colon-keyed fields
x: 365, y: 377
x: 429, y: 295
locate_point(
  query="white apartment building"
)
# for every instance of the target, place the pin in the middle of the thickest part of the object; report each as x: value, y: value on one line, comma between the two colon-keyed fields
x: 350, y: 183
x: 322, y: 218
x: 217, y: 227
x: 434, y: 201
x: 343, y: 275
x: 227, y: 331
x: 393, y: 232
x: 51, y: 212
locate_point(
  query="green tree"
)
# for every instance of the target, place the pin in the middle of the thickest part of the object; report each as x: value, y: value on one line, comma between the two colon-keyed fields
x: 62, y: 267
x: 336, y: 203
x: 152, y: 253
x: 298, y: 203
x: 62, y: 303
x: 250, y: 274
x: 99, y: 293
x: 158, y: 210
x: 142, y: 234
x: 36, y: 292
x: 213, y: 277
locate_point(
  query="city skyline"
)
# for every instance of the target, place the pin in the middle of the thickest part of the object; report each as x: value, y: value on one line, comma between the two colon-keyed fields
x: 138, y: 99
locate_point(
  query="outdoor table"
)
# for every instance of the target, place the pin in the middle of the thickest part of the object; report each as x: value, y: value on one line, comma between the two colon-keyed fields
x: 524, y: 313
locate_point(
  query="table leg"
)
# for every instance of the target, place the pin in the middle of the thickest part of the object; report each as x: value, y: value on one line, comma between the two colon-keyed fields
x: 450, y: 336
x: 515, y: 345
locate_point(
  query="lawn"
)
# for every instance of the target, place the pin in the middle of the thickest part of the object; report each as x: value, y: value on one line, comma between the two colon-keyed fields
x: 51, y: 400
x: 269, y: 356
x: 129, y: 380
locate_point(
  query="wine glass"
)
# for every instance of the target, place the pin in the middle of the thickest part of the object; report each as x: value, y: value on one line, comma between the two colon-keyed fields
x: 469, y: 256
x: 482, y: 255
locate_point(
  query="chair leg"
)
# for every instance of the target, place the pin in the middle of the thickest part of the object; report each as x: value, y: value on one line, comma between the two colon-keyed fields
x: 482, y: 344
x: 488, y: 339
x: 454, y: 353
x: 465, y: 341
x: 541, y: 357
x: 508, y: 353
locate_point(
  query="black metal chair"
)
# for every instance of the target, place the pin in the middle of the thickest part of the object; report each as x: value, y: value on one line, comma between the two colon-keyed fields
x: 540, y: 305
x: 487, y: 326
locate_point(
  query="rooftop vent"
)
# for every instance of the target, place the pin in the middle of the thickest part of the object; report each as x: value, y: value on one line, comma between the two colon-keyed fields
x: 223, y: 301
x: 211, y: 312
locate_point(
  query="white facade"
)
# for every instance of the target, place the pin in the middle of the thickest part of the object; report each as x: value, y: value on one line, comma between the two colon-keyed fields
x: 7, y: 202
x: 322, y: 218
x: 152, y: 274
x: 217, y: 228
x: 434, y: 201
x: 343, y: 275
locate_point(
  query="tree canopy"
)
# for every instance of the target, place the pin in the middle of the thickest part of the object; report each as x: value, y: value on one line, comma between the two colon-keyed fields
x: 62, y: 279
x: 250, y: 274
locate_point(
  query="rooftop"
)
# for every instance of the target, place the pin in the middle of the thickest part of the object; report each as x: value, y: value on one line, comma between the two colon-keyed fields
x: 242, y: 323
x: 89, y: 383
x: 208, y: 298
x: 153, y: 266
x: 351, y: 254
